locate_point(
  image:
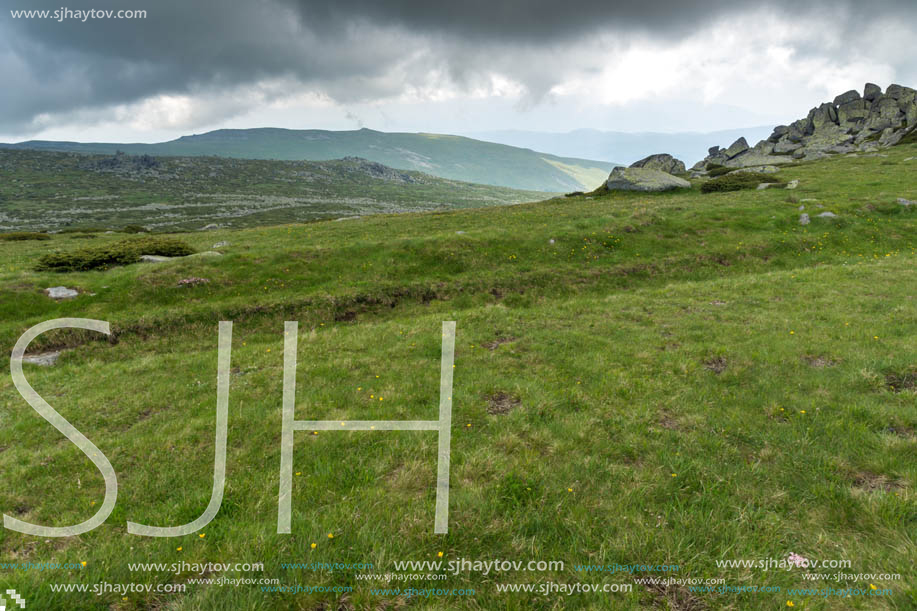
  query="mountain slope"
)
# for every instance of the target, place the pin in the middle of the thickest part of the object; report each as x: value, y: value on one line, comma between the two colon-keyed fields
x: 46, y: 190
x: 453, y: 157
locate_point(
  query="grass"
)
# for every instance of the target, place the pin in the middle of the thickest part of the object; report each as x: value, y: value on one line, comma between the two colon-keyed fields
x: 676, y: 379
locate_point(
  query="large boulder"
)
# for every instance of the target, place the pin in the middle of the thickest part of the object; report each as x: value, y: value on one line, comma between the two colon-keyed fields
x: 739, y: 146
x: 852, y: 113
x: 894, y: 91
x: 884, y: 113
x: 784, y: 146
x: 849, y: 96
x: 643, y: 179
x: 662, y: 162
x: 871, y: 91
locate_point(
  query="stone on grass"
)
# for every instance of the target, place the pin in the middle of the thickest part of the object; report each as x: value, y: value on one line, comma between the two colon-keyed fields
x: 61, y: 292
x: 45, y: 359
x: 154, y: 259
x: 792, y: 184
x: 906, y: 202
x: 220, y: 245
x: 642, y: 179
x: 827, y: 215
x: 803, y: 219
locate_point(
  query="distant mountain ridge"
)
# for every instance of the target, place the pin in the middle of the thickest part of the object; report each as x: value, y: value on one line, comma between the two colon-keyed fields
x: 452, y: 157
x: 622, y: 147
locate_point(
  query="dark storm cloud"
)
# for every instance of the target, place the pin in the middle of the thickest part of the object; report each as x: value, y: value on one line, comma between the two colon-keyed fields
x: 350, y: 49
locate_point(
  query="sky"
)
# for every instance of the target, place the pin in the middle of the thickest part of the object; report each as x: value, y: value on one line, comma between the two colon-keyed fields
x: 451, y: 67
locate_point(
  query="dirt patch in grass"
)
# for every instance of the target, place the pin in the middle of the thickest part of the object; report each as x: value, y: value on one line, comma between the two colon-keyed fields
x: 674, y: 597
x: 901, y: 381
x: 498, y: 342
x: 903, y: 431
x: 345, y: 316
x: 667, y: 421
x: 868, y: 481
x: 502, y: 403
x: 819, y: 362
x: 716, y: 364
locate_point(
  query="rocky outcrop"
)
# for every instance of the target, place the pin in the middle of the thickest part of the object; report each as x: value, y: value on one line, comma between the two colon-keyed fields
x: 662, y: 162
x: 643, y: 179
x: 850, y: 123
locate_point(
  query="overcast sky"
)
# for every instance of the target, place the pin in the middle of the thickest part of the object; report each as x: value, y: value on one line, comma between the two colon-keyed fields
x: 440, y: 66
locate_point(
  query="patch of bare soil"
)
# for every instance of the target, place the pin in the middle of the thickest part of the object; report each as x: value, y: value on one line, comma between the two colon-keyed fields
x: 867, y: 481
x: 502, y: 403
x: 716, y: 364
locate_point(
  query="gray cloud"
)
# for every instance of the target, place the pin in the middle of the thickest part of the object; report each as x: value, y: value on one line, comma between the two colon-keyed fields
x: 351, y: 50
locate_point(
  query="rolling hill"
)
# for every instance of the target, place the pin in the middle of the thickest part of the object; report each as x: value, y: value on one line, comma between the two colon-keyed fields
x: 46, y: 190
x: 452, y: 157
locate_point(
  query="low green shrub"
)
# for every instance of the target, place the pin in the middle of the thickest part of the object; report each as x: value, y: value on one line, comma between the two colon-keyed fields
x: 714, y: 170
x: 738, y: 181
x: 124, y: 252
x: 135, y: 229
x: 17, y: 236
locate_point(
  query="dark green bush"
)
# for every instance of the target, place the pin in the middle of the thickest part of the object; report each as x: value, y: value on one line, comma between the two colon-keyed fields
x: 124, y: 252
x: 24, y: 235
x: 135, y: 229
x: 83, y: 230
x: 737, y: 182
x: 715, y: 169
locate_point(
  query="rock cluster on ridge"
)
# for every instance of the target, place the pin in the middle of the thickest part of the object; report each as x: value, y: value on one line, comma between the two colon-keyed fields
x: 850, y: 123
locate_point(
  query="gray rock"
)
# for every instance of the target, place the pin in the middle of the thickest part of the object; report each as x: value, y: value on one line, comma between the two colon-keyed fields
x: 827, y: 215
x: 801, y: 208
x: 778, y: 133
x: 891, y: 136
x: 894, y: 91
x: 763, y: 185
x: 760, y: 169
x: 848, y: 96
x: 804, y: 219
x: 713, y: 150
x: 792, y: 184
x: 643, y: 179
x: 45, y: 359
x: 871, y: 91
x: 61, y: 292
x: 739, y: 146
x: 210, y: 227
x: 459, y: 233
x: 851, y: 112
x: 751, y: 158
x: 662, y: 162
x: 906, y: 202
x: 223, y: 244
x: 784, y: 146
x: 154, y: 259
x: 206, y: 253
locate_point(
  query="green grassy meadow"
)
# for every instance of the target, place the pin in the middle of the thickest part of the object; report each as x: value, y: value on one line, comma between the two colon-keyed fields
x: 676, y: 378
